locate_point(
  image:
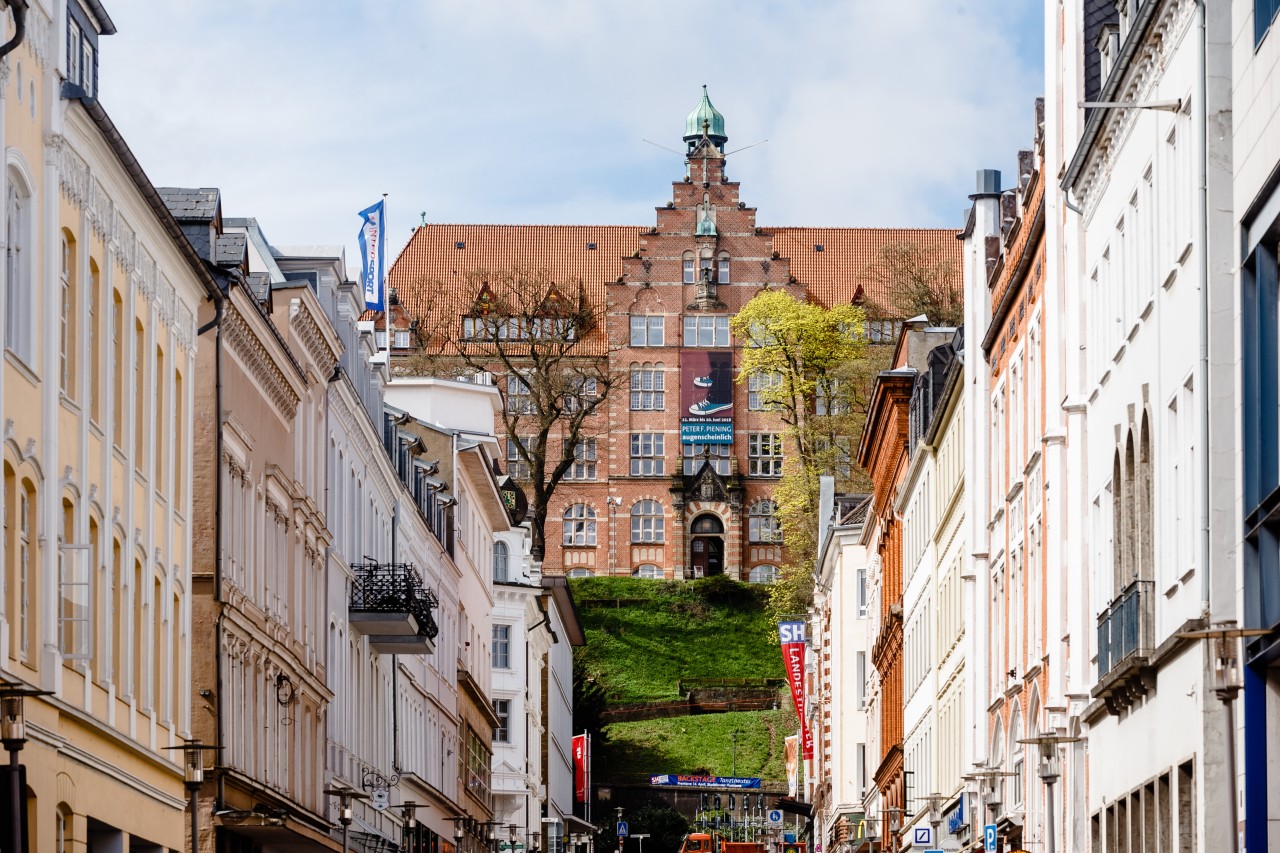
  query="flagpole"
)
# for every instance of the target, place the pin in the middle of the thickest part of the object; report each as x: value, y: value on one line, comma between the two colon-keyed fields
x: 386, y: 290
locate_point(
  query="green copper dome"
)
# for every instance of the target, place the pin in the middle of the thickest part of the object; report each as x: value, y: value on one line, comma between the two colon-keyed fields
x: 705, y: 112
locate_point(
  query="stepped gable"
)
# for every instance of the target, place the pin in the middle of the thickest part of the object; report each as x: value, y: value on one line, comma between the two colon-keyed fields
x: 833, y: 276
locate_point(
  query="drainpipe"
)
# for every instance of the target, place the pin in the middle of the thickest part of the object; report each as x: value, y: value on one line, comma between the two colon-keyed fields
x: 220, y: 308
x: 1202, y: 139
x: 19, y: 9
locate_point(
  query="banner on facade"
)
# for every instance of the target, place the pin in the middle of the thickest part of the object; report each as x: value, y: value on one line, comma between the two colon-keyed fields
x: 581, y: 760
x: 791, y: 635
x: 792, y: 744
x: 694, y: 781
x: 371, y: 255
x: 706, y: 396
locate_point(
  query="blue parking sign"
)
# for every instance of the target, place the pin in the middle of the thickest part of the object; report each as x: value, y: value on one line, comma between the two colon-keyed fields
x: 989, y: 838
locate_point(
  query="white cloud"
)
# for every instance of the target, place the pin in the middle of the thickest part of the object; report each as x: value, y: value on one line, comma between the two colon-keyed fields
x: 877, y: 113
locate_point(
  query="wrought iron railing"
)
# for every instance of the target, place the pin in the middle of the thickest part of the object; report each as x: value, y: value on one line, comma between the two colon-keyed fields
x: 1127, y: 627
x: 394, y: 588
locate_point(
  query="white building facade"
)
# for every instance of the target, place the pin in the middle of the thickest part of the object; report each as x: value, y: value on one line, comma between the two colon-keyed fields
x: 1152, y: 277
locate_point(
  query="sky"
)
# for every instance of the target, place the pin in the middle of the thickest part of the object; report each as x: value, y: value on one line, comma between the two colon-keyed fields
x: 303, y: 112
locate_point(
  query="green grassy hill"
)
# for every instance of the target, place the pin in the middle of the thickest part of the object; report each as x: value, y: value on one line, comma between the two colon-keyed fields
x: 703, y: 744
x: 645, y: 639
x: 644, y: 636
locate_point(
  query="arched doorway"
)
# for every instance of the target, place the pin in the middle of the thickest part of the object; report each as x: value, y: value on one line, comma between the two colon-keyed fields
x: 706, y: 546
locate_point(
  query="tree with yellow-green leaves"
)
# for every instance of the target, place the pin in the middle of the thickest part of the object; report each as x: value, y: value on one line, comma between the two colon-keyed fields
x: 806, y: 363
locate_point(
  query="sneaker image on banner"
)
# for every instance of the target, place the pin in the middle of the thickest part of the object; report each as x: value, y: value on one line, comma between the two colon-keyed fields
x: 717, y: 380
x: 706, y: 407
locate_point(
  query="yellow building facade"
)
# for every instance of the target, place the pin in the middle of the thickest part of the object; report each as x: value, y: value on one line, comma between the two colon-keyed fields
x: 100, y: 295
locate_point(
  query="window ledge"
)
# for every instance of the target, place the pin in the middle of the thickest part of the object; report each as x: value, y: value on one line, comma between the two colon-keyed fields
x: 20, y: 365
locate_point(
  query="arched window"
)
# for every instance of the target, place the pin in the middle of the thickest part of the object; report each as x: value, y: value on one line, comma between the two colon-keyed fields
x: 499, y: 562
x: 764, y: 574
x: 762, y: 522
x: 1016, y: 764
x: 67, y: 342
x: 1145, y: 505
x: 647, y: 522
x: 19, y: 287
x: 93, y: 325
x: 648, y: 571
x: 1117, y: 526
x: 708, y: 523
x: 73, y: 590
x: 117, y: 368
x: 579, y: 525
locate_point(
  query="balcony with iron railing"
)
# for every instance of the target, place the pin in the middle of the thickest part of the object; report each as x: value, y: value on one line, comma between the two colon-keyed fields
x: 392, y: 606
x: 1126, y: 641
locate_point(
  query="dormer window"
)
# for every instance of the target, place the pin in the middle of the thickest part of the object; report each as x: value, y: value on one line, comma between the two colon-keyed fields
x: 82, y: 53
x: 1108, y: 48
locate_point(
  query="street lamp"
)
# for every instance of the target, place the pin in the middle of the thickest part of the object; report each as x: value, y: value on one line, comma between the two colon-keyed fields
x: 894, y: 816
x: 641, y: 836
x: 13, y: 732
x: 407, y: 813
x: 345, y: 797
x: 1050, y: 771
x: 986, y: 779
x: 1226, y: 686
x: 193, y: 778
x: 459, y: 830
x: 935, y: 802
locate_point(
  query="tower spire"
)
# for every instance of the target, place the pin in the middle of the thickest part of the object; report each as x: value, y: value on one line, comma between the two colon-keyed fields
x: 705, y: 122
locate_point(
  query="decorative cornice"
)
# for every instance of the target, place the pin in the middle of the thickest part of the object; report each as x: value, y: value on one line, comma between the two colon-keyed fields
x: 308, y: 331
x: 1141, y: 78
x: 39, y: 35
x: 87, y: 193
x: 246, y: 346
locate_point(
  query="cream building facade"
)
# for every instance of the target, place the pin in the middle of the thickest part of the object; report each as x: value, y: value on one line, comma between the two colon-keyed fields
x: 838, y: 690
x: 101, y: 293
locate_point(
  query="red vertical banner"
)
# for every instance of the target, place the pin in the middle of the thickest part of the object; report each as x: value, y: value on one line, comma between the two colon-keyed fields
x: 791, y: 635
x: 581, y: 760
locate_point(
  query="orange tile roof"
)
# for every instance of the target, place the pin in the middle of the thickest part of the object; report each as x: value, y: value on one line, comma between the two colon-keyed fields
x: 431, y: 272
x: 833, y: 275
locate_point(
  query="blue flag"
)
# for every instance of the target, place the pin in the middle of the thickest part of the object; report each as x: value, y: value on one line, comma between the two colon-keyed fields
x: 371, y: 253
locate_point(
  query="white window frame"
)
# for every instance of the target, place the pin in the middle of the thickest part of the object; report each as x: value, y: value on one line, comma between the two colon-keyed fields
x: 648, y: 330
x: 501, y: 647
x: 648, y: 458
x: 648, y: 393
x: 579, y: 522
x: 758, y: 382
x: 501, y: 561
x: 762, y: 522
x: 584, y: 461
x: 721, y: 458
x: 502, y: 731
x: 706, y: 331
x: 764, y: 454
x: 648, y: 523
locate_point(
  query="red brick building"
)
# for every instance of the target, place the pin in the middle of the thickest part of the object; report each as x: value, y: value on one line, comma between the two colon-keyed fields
x: 677, y: 482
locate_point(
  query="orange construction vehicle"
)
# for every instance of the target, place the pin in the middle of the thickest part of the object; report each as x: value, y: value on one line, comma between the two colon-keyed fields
x: 703, y: 842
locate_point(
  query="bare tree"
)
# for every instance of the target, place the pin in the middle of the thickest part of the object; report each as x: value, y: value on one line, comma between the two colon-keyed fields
x: 916, y: 282
x: 546, y: 344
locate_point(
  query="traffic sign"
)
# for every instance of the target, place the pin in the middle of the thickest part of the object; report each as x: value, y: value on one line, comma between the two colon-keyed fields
x: 775, y: 817
x: 989, y: 838
x: 622, y: 829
